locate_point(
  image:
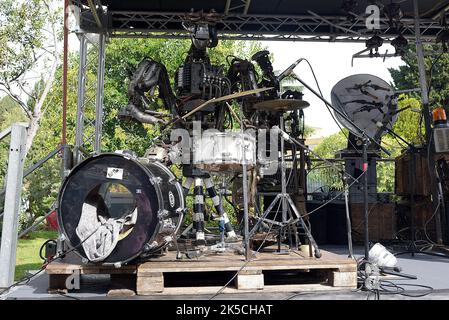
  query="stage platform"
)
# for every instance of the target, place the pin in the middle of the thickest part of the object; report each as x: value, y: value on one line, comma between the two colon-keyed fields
x: 430, y: 270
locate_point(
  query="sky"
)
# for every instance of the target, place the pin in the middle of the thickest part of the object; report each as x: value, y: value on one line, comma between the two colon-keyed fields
x: 331, y: 63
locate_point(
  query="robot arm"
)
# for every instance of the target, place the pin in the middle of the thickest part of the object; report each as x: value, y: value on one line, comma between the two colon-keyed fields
x: 148, y: 75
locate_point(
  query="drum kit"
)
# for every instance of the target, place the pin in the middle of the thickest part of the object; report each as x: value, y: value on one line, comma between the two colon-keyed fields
x: 141, y: 207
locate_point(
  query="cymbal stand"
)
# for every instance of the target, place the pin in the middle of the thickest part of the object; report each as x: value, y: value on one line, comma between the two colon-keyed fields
x: 287, y: 203
x: 348, y: 217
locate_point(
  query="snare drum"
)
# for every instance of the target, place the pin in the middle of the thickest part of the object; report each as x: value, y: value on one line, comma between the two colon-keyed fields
x: 224, y: 151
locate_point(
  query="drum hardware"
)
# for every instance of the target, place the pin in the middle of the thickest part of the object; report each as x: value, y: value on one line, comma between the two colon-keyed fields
x: 348, y: 216
x: 198, y: 215
x: 246, y: 235
x: 215, y: 100
x: 287, y: 204
x: 366, y: 138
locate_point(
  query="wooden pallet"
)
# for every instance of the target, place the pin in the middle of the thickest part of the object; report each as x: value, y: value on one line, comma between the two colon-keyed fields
x: 266, y: 272
x: 269, y: 271
x: 122, y: 280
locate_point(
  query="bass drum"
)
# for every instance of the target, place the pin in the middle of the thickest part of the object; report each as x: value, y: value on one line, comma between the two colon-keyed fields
x: 114, y: 208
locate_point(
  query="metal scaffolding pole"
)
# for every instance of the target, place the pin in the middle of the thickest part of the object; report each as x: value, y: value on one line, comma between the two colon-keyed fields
x: 89, y: 116
x: 80, y: 102
x: 100, y: 93
x: 427, y: 120
x: 12, y: 204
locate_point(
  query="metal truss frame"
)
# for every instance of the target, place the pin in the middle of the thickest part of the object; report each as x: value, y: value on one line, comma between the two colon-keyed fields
x: 235, y: 24
x: 89, y: 114
x: 267, y: 27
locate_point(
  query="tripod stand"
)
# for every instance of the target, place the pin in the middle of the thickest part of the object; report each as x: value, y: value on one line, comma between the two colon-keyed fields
x: 287, y: 203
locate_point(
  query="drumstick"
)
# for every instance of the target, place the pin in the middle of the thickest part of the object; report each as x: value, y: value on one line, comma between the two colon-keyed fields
x: 213, y: 100
x: 233, y: 112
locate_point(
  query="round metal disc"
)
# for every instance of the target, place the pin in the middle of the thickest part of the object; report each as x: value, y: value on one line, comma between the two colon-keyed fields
x: 366, y: 100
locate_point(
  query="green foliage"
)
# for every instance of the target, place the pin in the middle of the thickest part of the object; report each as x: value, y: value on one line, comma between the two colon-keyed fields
x: 20, y: 35
x: 408, y: 126
x: 308, y: 131
x: 122, y: 57
x: 28, y: 252
x: 407, y: 76
x: 331, y: 144
x: 10, y: 113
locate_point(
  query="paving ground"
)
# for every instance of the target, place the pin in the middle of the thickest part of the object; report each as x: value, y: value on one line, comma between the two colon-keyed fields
x: 431, y: 271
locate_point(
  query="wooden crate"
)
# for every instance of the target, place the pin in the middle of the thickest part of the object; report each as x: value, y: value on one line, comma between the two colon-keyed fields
x: 420, y: 174
x: 161, y: 276
x: 423, y: 214
x: 382, y: 221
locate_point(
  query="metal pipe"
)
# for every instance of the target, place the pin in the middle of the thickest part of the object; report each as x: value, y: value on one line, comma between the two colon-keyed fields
x: 100, y: 93
x: 14, y: 180
x: 79, y: 129
x: 365, y: 197
x: 247, y: 4
x: 427, y: 121
x: 283, y: 181
x: 5, y: 133
x: 333, y: 24
x: 228, y: 4
x: 348, y: 219
x: 64, y: 73
x: 95, y: 13
x: 245, y: 191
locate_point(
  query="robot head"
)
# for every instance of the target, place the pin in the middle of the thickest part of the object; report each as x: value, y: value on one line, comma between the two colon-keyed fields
x: 202, y: 28
x: 203, y: 35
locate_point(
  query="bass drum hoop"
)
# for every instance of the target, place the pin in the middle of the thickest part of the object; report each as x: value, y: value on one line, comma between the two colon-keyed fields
x: 172, y: 181
x: 154, y: 207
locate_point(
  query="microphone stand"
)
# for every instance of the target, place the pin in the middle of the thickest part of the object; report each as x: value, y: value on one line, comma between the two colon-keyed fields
x: 366, y: 139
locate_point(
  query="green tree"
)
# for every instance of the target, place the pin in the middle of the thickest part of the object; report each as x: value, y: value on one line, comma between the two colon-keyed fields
x: 29, y: 49
x: 122, y: 57
x: 332, y: 144
x: 436, y: 64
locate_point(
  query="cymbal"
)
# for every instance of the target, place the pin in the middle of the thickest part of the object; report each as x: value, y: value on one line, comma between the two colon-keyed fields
x: 281, y: 105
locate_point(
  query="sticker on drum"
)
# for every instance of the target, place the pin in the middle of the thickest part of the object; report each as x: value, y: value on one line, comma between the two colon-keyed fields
x: 171, y: 199
x: 114, y: 173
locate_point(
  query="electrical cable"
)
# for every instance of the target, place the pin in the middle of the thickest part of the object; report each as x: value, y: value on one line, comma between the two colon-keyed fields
x: 27, y: 279
x: 251, y: 259
x: 328, y: 109
x: 386, y: 285
x: 333, y: 198
x: 427, y: 222
x: 43, y: 246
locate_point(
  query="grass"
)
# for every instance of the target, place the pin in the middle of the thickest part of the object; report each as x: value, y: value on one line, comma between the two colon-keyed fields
x: 28, y: 251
